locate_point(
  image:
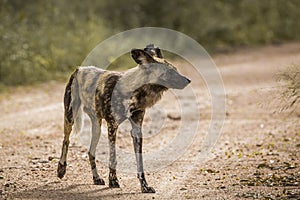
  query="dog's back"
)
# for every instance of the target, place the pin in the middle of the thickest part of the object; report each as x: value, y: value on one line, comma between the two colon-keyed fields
x: 91, y: 88
x: 82, y: 86
x: 87, y: 80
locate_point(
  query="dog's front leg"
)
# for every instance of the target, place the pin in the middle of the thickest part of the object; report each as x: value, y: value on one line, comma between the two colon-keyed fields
x: 136, y: 121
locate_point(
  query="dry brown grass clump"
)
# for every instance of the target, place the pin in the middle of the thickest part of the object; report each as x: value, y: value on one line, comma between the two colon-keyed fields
x: 291, y: 88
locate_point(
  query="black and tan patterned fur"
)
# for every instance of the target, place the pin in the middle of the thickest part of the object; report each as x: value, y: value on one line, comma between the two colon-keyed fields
x: 115, y: 97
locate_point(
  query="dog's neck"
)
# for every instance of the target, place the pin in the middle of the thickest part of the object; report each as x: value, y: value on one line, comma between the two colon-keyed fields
x: 136, y: 89
x: 131, y: 80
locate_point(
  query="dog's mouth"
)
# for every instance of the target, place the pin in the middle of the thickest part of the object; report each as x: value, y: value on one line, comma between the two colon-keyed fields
x: 175, y: 84
x: 183, y: 83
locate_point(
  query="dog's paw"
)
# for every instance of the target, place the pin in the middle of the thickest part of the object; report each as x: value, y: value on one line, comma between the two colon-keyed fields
x: 114, y: 183
x: 98, y: 181
x: 146, y: 189
x: 61, y: 170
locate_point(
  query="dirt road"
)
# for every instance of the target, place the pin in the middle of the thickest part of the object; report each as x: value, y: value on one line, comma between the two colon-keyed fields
x: 256, y: 157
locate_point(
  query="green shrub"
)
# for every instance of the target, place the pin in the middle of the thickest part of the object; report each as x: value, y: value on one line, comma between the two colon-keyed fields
x: 45, y: 40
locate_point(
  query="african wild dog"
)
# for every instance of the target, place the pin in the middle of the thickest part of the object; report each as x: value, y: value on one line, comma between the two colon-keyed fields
x: 115, y: 97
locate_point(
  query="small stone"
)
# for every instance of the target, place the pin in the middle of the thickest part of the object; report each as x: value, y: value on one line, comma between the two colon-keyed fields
x: 271, y: 133
x: 50, y: 158
x: 84, y: 156
x: 183, y: 188
x: 257, y: 174
x: 251, y: 184
x: 212, y: 171
x: 243, y: 180
x: 259, y: 144
x: 263, y: 165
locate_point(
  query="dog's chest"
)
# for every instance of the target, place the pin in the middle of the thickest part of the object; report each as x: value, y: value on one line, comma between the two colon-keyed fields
x: 146, y: 96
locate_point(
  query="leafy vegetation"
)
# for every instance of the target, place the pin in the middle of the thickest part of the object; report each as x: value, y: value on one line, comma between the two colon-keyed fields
x: 44, y: 40
x: 217, y: 24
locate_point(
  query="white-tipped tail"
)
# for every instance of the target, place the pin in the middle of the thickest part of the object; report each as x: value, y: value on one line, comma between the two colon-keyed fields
x: 77, y: 108
x: 78, y: 121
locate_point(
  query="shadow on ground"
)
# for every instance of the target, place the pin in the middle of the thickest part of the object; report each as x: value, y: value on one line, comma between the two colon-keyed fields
x: 76, y: 191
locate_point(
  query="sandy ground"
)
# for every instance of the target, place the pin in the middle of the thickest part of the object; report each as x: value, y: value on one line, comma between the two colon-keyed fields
x: 256, y: 156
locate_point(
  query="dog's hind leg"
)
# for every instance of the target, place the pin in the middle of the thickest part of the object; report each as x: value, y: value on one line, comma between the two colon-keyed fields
x: 96, y: 132
x: 62, y: 164
x: 68, y: 123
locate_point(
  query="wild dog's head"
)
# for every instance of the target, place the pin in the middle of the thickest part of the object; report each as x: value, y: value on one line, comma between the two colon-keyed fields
x: 158, y: 70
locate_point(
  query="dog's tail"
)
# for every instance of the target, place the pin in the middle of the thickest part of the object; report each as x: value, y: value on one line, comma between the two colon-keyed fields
x: 72, y: 104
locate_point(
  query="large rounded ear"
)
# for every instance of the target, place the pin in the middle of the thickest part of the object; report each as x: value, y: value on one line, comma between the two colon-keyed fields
x: 154, y: 51
x: 158, y: 53
x: 141, y: 57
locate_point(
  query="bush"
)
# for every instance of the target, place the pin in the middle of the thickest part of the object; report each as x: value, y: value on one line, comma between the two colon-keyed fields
x: 217, y: 24
x: 44, y: 40
x: 291, y: 90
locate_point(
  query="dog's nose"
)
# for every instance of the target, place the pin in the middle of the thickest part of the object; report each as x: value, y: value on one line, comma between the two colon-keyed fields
x: 188, y: 80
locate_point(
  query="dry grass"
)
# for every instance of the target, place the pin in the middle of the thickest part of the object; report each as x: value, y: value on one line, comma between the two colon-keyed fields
x: 291, y: 89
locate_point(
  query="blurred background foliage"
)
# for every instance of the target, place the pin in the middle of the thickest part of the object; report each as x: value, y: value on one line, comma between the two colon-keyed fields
x: 45, y: 40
